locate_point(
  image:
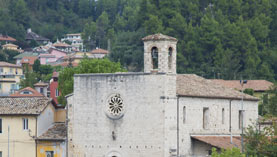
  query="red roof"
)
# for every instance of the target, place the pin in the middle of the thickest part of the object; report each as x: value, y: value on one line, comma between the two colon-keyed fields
x: 99, y: 51
x: 33, y: 93
x: 6, y: 38
x: 220, y: 141
x: 256, y: 85
x: 29, y: 59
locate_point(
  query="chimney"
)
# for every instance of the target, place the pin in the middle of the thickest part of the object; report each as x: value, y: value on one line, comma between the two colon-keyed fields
x: 29, y: 30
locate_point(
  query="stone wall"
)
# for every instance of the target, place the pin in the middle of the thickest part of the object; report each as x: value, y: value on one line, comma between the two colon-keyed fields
x: 194, y: 118
x: 147, y: 128
x: 163, y: 49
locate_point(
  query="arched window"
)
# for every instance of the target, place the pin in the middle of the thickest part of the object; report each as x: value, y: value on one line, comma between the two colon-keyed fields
x: 155, y: 57
x: 170, y: 58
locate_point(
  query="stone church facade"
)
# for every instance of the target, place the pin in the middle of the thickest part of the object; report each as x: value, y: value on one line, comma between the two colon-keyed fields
x: 155, y: 113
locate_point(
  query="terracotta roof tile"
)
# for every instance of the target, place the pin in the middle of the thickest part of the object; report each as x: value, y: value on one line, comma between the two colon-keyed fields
x: 23, y: 105
x: 33, y: 93
x: 158, y: 36
x: 6, y: 64
x: 196, y: 86
x: 220, y: 141
x: 256, y: 85
x: 99, y: 51
x: 29, y: 60
x: 6, y: 38
x: 56, y: 132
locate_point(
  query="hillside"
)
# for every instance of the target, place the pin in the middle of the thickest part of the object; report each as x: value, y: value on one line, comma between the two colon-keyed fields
x: 226, y: 39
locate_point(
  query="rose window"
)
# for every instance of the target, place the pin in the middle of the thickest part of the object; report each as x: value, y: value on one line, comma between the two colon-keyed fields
x: 115, y: 106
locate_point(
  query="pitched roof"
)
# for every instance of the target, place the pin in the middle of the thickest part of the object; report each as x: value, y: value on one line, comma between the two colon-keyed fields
x: 23, y: 105
x: 59, y: 44
x: 33, y: 93
x: 29, y: 60
x: 9, y: 45
x: 46, y: 56
x: 65, y: 64
x: 256, y: 85
x: 43, y: 84
x: 20, y: 56
x: 99, y: 51
x: 73, y: 34
x: 220, y: 141
x: 34, y: 36
x: 195, y: 86
x: 158, y: 36
x: 6, y: 64
x: 6, y: 38
x: 57, y: 132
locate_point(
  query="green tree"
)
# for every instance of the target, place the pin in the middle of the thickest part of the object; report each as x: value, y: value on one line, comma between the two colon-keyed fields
x: 234, y: 152
x: 30, y: 78
x: 89, y: 35
x: 36, y: 66
x: 21, y: 13
x: 261, y: 142
x: 85, y: 66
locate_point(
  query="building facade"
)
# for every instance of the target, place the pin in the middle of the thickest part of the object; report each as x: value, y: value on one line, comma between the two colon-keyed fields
x: 156, y: 113
x: 75, y: 40
x: 10, y: 75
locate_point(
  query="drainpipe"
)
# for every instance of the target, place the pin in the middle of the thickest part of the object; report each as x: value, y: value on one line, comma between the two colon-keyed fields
x: 177, y: 126
x: 230, y: 121
x: 36, y: 136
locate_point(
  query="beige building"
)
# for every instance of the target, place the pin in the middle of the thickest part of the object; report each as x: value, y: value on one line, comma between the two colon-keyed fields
x: 25, y: 120
x: 10, y: 75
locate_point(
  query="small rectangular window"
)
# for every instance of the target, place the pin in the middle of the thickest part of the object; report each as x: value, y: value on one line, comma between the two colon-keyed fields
x: 223, y: 116
x: 240, y: 119
x: 25, y: 123
x: 0, y: 126
x: 205, y: 117
x: 41, y: 90
x: 49, y: 153
x: 0, y: 153
x: 184, y: 114
x: 57, y: 92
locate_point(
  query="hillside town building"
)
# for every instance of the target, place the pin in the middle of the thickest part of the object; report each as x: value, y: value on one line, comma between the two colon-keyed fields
x: 155, y: 113
x: 10, y: 75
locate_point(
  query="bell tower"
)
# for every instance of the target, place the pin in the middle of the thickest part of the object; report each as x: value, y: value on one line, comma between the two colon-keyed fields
x: 159, y: 54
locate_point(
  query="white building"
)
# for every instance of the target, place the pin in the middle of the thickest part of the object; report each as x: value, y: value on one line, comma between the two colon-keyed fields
x: 76, y: 41
x: 156, y: 113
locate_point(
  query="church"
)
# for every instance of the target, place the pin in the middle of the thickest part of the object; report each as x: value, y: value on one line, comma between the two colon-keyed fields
x: 155, y: 113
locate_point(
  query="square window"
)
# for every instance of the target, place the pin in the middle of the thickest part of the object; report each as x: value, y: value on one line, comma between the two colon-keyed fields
x: 41, y: 90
